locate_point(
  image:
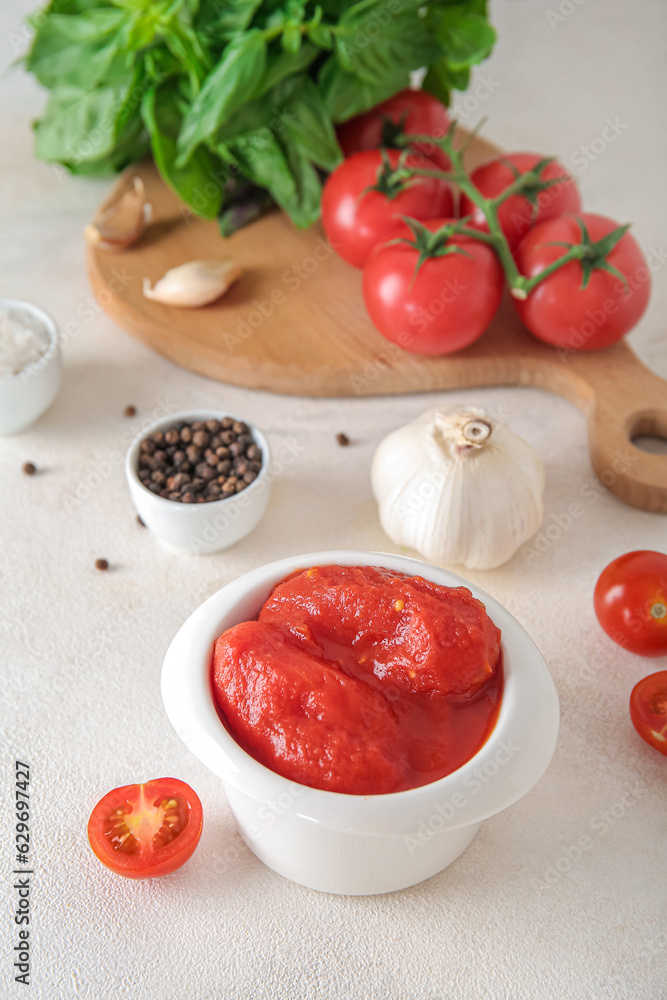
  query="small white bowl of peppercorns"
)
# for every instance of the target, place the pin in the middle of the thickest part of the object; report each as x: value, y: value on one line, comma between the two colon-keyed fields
x: 199, y: 480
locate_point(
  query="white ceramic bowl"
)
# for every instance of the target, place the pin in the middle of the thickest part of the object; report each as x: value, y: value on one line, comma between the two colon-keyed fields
x: 205, y: 527
x: 24, y: 397
x: 354, y: 844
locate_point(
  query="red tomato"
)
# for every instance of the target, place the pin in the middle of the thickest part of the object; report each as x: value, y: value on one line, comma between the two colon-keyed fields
x: 517, y: 215
x: 355, y: 222
x: 631, y: 602
x: 141, y: 831
x: 561, y: 312
x: 411, y: 112
x: 648, y: 710
x: 443, y: 307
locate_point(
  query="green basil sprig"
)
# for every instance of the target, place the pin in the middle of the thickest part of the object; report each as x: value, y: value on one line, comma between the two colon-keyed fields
x: 235, y: 95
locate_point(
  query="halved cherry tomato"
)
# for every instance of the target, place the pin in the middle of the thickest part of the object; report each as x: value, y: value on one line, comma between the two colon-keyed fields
x: 410, y: 112
x: 631, y: 602
x: 517, y: 215
x: 575, y: 309
x: 141, y: 831
x: 356, y: 219
x: 438, y: 305
x: 648, y: 710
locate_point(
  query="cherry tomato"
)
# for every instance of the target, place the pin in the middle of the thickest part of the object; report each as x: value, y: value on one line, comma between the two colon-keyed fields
x: 631, y: 602
x: 442, y: 307
x: 141, y: 831
x: 648, y: 709
x: 355, y: 219
x: 411, y: 112
x: 561, y: 312
x: 517, y: 215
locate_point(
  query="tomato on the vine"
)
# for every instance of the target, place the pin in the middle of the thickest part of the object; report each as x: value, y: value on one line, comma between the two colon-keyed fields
x: 364, y: 198
x: 437, y: 302
x: 520, y: 213
x: 588, y: 303
x: 410, y: 112
x: 631, y: 602
x: 648, y: 709
x: 141, y: 831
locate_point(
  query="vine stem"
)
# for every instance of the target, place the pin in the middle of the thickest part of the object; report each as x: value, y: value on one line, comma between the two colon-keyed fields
x: 520, y: 286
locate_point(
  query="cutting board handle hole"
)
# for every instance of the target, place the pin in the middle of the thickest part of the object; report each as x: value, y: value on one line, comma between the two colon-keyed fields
x: 654, y: 444
x: 648, y: 431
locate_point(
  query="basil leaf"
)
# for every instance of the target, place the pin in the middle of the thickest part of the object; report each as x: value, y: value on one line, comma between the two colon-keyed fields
x: 80, y: 125
x: 131, y: 146
x: 346, y: 96
x: 261, y: 159
x: 309, y: 126
x: 256, y: 84
x: 306, y: 209
x: 321, y: 35
x: 467, y: 38
x: 283, y: 64
x: 226, y: 17
x: 279, y: 166
x: 65, y: 7
x: 230, y: 84
x: 379, y: 40
x: 244, y: 203
x: 75, y: 50
x: 200, y: 182
x: 295, y: 108
x: 291, y: 38
x: 440, y: 80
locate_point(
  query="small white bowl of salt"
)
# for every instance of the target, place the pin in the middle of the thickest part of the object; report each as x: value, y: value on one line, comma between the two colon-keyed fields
x: 29, y: 364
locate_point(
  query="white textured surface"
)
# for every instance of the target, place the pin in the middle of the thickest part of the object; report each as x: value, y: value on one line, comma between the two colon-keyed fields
x: 82, y: 650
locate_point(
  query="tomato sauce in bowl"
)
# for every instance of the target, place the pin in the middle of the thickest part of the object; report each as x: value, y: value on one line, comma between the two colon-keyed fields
x: 361, y: 680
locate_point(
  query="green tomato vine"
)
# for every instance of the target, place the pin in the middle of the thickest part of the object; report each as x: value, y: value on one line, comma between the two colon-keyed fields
x: 590, y: 254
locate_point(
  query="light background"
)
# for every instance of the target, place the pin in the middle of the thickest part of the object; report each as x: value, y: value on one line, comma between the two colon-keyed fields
x: 82, y: 650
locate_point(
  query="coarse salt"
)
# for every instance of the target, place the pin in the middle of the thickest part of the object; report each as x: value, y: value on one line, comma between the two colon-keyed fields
x: 23, y: 340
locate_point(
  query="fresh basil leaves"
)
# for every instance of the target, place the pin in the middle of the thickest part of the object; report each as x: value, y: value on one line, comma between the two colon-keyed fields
x: 236, y: 99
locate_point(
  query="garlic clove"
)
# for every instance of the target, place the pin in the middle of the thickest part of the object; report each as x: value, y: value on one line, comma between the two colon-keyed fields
x: 121, y: 224
x: 459, y: 487
x: 194, y: 284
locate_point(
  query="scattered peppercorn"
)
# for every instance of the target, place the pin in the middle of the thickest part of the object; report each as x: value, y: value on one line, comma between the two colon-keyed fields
x: 130, y: 411
x: 101, y: 564
x: 29, y: 468
x: 343, y: 440
x: 199, y: 462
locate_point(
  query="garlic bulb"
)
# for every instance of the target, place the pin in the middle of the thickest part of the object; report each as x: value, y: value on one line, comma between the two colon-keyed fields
x: 459, y: 487
x: 194, y: 284
x: 121, y: 224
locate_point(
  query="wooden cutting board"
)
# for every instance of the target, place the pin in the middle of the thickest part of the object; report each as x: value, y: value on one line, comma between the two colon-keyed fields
x: 295, y: 323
